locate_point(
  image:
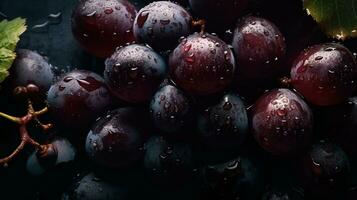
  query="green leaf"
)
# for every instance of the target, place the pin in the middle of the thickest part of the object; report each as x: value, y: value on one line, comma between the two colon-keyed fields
x: 338, y: 18
x: 10, y: 32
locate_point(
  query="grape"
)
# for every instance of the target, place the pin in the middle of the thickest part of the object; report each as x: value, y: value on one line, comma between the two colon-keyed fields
x: 325, y: 74
x: 223, y: 127
x: 325, y: 170
x: 101, y: 26
x: 340, y: 122
x: 168, y: 164
x: 91, y: 187
x: 202, y: 64
x: 282, y: 122
x: 161, y: 23
x: 236, y: 179
x: 59, y: 151
x: 133, y: 73
x: 171, y: 109
x: 221, y: 13
x: 78, y: 98
x: 31, y: 68
x: 259, y: 46
x: 116, y: 140
x: 285, y: 194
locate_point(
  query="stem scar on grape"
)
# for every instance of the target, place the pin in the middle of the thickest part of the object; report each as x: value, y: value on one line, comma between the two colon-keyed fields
x: 201, y: 23
x: 32, y: 114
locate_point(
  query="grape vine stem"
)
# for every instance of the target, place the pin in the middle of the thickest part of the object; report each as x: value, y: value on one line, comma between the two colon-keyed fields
x: 26, y: 139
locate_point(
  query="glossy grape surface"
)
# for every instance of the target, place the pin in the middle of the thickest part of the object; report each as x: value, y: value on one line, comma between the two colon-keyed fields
x: 61, y: 151
x: 325, y: 170
x: 168, y: 163
x: 91, y: 187
x: 171, y: 109
x: 238, y: 178
x: 116, y: 139
x: 29, y: 67
x: 202, y: 64
x: 325, y: 74
x: 78, y: 98
x: 282, y: 122
x: 259, y: 46
x: 161, y: 23
x: 133, y: 73
x: 223, y: 127
x: 101, y: 26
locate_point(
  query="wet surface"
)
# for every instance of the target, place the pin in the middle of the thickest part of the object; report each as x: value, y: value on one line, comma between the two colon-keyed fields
x: 49, y: 30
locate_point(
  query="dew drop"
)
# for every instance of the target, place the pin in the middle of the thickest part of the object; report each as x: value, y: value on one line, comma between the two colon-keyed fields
x: 319, y: 58
x: 108, y: 11
x: 91, y: 14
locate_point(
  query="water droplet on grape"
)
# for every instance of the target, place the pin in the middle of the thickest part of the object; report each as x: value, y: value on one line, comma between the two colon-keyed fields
x: 108, y: 11
x: 319, y: 58
x: 143, y: 16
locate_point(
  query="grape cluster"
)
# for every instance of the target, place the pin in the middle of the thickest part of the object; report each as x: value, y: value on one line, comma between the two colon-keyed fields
x: 198, y: 100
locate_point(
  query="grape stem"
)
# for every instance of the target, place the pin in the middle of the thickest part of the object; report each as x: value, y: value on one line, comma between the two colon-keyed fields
x: 26, y: 139
x: 285, y: 81
x: 201, y: 23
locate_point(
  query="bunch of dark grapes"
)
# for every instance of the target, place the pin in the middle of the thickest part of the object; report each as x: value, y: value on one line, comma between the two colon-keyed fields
x: 198, y: 99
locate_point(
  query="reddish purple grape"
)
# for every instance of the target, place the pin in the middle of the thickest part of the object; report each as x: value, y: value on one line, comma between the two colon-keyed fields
x: 168, y: 163
x: 220, y: 13
x: 259, y: 46
x: 161, y: 23
x: 29, y: 67
x: 223, y: 127
x: 78, y: 98
x: 282, y: 122
x: 325, y: 74
x: 325, y: 170
x: 171, y: 109
x: 133, y: 73
x: 101, y: 26
x: 202, y: 64
x: 117, y: 139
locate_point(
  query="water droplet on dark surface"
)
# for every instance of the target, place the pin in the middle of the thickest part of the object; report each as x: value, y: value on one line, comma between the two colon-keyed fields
x: 143, y: 16
x: 40, y: 28
x: 90, y: 84
x: 55, y: 18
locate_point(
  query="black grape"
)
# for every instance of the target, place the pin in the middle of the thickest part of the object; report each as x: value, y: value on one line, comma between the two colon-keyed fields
x: 161, y: 23
x: 133, y: 73
x: 59, y: 151
x: 167, y: 163
x: 223, y: 127
x: 101, y: 26
x: 91, y: 187
x: 171, y: 109
x: 325, y: 170
x: 78, y: 98
x: 117, y: 139
x: 29, y: 67
x: 238, y: 178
